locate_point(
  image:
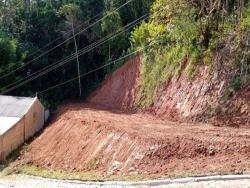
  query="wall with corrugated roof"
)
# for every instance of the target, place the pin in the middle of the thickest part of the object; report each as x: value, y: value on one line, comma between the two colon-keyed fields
x: 14, y: 106
x: 12, y: 139
x: 34, y: 119
x: 31, y: 122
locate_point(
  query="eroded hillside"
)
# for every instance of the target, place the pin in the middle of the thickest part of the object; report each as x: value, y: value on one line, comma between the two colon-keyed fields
x: 111, y: 135
x: 203, y: 98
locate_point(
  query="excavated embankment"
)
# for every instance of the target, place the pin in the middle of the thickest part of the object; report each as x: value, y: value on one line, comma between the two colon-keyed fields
x: 108, y: 136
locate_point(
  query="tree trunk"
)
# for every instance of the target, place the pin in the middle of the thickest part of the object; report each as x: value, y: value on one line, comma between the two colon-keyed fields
x: 5, y: 13
x: 206, y: 36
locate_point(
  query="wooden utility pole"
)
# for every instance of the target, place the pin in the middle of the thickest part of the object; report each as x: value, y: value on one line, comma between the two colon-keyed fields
x: 27, y: 8
x: 27, y: 15
x: 4, y: 16
x: 77, y: 60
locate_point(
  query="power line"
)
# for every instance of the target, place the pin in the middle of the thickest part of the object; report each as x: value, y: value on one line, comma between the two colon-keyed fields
x: 86, y: 49
x: 64, y: 34
x: 81, y: 31
x: 73, y: 56
x: 94, y: 70
x: 39, y: 50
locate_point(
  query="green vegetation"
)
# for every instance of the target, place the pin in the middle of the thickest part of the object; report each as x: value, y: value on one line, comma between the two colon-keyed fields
x: 93, y: 164
x: 188, y: 34
x: 57, y: 174
x: 12, y: 166
x: 179, y: 36
x: 95, y: 176
x: 29, y: 30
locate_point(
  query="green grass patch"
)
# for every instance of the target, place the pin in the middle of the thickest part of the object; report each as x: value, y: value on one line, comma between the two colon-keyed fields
x: 96, y: 176
x: 8, y: 166
x: 58, y: 174
x: 93, y: 164
x: 191, y: 71
x: 159, y: 65
x: 83, y: 176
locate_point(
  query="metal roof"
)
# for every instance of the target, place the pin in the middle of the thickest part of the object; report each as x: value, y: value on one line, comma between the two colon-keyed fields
x: 6, y: 123
x: 14, y: 106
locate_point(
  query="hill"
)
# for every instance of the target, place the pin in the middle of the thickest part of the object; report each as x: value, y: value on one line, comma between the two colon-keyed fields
x: 113, y: 140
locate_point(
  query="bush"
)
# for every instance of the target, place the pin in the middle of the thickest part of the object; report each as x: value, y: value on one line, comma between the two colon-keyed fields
x: 172, y: 26
x: 7, y: 51
x: 236, y: 83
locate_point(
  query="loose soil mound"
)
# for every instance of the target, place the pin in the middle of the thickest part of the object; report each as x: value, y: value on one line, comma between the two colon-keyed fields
x: 87, y: 137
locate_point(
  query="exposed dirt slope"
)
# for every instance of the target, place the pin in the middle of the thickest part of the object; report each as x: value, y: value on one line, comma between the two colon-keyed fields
x: 87, y: 137
x: 182, y: 98
x: 120, y: 89
x: 202, y: 98
x: 100, y: 137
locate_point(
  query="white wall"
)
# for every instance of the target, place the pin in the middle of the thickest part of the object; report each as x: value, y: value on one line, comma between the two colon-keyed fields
x: 29, y: 124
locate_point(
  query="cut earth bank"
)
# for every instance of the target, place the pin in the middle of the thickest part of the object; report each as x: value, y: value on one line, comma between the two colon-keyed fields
x: 110, y: 135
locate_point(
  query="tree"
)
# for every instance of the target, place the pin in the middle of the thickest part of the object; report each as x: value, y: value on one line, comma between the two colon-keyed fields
x: 113, y: 24
x: 37, y: 26
x: 71, y: 12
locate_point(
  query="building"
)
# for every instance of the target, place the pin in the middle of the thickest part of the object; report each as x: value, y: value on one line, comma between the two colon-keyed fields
x: 20, y: 119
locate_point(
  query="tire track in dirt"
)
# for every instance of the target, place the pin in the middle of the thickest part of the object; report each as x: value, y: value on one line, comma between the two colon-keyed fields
x: 86, y: 137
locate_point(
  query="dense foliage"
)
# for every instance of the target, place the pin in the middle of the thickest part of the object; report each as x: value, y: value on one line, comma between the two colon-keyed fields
x: 30, y: 28
x: 178, y: 31
x: 194, y: 32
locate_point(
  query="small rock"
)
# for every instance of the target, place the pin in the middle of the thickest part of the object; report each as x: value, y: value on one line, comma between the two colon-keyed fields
x: 233, y: 165
x: 132, y: 169
x: 211, y: 152
x: 139, y: 157
x: 238, y: 172
x: 134, y: 173
x: 2, y: 166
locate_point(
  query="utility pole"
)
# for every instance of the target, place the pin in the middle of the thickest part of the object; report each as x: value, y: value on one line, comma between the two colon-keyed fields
x: 5, y: 14
x: 27, y: 9
x: 78, y: 66
x: 27, y: 15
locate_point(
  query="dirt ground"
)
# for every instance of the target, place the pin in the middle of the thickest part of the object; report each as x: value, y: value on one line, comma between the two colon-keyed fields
x: 89, y: 137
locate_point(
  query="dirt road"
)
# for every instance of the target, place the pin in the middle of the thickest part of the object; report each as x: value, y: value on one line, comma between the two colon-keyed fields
x: 90, y: 138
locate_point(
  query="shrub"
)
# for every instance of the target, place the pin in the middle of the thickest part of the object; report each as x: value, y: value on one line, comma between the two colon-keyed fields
x: 236, y: 83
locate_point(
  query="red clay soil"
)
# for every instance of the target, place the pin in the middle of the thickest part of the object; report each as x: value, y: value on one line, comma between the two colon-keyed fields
x: 87, y: 137
x: 120, y: 89
x: 181, y: 98
x: 236, y: 111
x: 93, y: 137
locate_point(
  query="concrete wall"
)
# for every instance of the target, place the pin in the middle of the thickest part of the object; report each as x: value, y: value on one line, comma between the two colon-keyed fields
x: 34, y: 119
x: 31, y: 123
x: 13, y: 138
